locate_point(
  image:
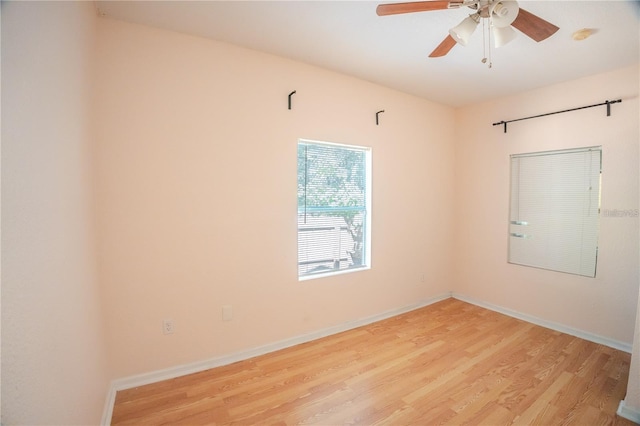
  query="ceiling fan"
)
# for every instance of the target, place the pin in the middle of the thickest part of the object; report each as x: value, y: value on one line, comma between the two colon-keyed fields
x: 502, y: 15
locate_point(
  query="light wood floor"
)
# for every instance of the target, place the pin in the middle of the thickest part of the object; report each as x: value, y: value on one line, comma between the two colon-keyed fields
x: 448, y: 363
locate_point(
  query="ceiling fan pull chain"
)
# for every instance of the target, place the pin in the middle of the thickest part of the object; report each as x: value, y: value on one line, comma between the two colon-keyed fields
x: 489, y: 44
x: 484, y: 44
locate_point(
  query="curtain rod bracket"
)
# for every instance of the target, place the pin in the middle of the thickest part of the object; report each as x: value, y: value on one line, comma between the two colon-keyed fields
x: 377, y: 113
x: 291, y: 94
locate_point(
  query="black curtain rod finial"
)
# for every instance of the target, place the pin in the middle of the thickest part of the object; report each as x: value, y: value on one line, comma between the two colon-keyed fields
x: 504, y: 123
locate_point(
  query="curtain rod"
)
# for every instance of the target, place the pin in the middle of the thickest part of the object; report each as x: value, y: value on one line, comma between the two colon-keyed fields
x: 607, y: 103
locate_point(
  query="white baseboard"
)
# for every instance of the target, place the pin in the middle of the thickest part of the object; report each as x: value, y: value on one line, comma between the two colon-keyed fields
x: 195, y: 367
x: 615, y: 344
x: 107, y: 413
x: 628, y: 413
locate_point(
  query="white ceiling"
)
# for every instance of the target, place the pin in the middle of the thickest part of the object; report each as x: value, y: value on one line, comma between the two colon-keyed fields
x: 348, y: 37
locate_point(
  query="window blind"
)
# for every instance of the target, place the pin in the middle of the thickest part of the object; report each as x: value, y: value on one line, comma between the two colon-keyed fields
x: 554, y: 210
x: 333, y: 216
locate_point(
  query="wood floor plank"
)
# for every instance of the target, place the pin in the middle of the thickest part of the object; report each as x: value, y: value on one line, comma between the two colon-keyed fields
x: 448, y: 363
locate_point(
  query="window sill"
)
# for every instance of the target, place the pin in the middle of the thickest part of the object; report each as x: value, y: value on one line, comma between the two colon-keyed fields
x: 332, y: 273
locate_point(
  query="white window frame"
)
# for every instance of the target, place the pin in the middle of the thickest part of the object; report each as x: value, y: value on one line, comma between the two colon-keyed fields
x: 367, y: 219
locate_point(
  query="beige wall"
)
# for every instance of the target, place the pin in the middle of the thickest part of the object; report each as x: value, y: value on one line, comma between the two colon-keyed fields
x: 54, y: 368
x: 632, y: 399
x: 192, y: 159
x: 197, y: 196
x: 605, y: 305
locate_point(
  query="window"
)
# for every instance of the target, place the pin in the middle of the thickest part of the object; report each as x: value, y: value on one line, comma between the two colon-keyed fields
x: 554, y: 209
x: 334, y: 215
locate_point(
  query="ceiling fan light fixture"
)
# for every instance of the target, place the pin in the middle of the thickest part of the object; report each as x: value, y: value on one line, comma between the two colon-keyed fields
x: 504, y: 12
x: 503, y: 35
x: 462, y: 32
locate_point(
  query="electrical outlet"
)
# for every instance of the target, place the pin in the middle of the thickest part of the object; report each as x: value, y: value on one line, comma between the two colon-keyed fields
x: 167, y: 326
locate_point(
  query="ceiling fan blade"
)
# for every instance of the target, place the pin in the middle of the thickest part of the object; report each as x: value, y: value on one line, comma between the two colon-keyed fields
x: 443, y: 48
x: 533, y: 26
x: 416, y: 6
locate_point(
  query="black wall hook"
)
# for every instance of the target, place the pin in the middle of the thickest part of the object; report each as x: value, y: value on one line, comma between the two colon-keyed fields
x: 291, y: 94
